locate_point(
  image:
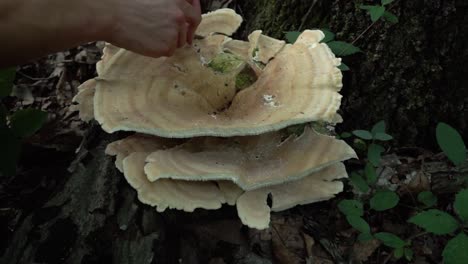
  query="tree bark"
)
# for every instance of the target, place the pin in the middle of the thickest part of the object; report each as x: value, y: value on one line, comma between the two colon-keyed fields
x: 92, y: 215
x: 411, y: 74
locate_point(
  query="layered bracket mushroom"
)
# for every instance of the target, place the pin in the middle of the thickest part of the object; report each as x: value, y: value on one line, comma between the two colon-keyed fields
x: 212, y: 122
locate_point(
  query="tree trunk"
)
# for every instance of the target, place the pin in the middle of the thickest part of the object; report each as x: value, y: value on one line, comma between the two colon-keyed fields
x: 411, y: 74
x: 94, y: 216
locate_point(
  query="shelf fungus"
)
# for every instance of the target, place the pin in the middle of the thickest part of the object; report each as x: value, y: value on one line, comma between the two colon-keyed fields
x: 224, y: 121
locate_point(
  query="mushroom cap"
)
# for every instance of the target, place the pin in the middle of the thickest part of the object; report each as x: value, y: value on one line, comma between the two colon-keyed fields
x: 137, y: 143
x: 84, y: 100
x: 254, y: 211
x: 263, y: 48
x: 163, y: 194
x: 188, y: 194
x: 250, y: 162
x: 224, y: 21
x: 182, y: 96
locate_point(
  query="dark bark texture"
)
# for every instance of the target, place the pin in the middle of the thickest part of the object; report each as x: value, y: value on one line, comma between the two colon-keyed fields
x: 411, y: 74
x: 86, y: 213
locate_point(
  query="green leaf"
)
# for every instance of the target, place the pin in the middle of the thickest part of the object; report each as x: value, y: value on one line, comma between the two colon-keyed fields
x: 329, y: 36
x: 382, y: 137
x: 409, y: 254
x: 26, y: 122
x: 345, y: 135
x: 341, y: 48
x: 351, y: 207
x: 358, y: 223
x: 384, y: 200
x: 371, y: 174
x: 374, y: 153
x: 376, y: 12
x: 291, y: 36
x: 455, y: 250
x: 379, y: 127
x: 461, y: 204
x: 365, y: 237
x: 390, y: 17
x: 366, y: 7
x: 386, y: 2
x: 359, y: 182
x: 364, y: 134
x: 435, y: 221
x: 359, y: 144
x: 9, y: 152
x: 427, y: 198
x: 7, y: 76
x: 390, y: 240
x: 451, y: 143
x: 399, y: 253
x: 343, y: 67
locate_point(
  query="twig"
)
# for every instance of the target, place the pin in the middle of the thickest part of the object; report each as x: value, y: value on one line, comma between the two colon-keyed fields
x: 417, y: 235
x: 34, y: 78
x: 306, y: 15
x: 387, y: 259
x: 368, y: 28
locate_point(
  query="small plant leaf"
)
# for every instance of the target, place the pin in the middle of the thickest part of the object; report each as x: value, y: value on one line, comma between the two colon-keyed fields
x: 364, y: 134
x: 345, y: 135
x: 26, y: 122
x: 455, y: 250
x: 379, y: 127
x: 351, y: 207
x: 9, y: 152
x: 382, y: 137
x: 365, y: 237
x: 358, y: 223
x: 374, y: 153
x: 461, y: 205
x: 343, y: 67
x: 427, y: 198
x: 390, y: 240
x: 341, y: 48
x: 371, y: 174
x: 376, y: 12
x: 399, y: 253
x: 7, y: 76
x: 359, y: 144
x: 329, y: 36
x: 384, y: 200
x: 366, y: 7
x: 409, y: 254
x: 435, y: 221
x: 386, y: 2
x: 451, y: 143
x: 390, y: 17
x: 358, y: 182
x: 291, y: 36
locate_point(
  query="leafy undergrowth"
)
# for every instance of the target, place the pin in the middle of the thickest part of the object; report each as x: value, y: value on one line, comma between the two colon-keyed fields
x: 419, y: 214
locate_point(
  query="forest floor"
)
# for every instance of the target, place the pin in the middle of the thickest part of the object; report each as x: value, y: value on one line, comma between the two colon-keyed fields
x: 316, y: 233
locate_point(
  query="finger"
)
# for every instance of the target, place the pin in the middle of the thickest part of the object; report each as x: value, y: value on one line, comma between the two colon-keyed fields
x: 182, y: 36
x: 191, y: 35
x: 192, y: 12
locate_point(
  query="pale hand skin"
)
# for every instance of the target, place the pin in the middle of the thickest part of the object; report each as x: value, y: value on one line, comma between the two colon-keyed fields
x: 33, y: 28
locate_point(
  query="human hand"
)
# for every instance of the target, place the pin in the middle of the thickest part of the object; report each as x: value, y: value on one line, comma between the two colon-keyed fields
x: 153, y: 27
